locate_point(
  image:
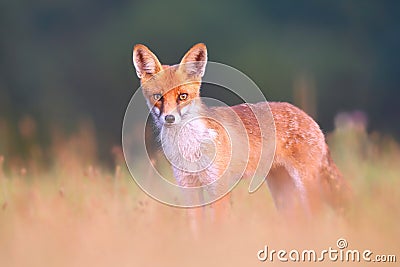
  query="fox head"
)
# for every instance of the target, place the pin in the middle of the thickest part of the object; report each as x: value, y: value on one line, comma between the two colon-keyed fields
x: 172, y: 92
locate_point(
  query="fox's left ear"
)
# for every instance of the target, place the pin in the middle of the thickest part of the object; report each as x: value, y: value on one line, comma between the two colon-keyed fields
x: 195, y: 60
x: 145, y: 62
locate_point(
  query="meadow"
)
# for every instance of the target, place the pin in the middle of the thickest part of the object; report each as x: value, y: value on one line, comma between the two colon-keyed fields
x: 77, y: 212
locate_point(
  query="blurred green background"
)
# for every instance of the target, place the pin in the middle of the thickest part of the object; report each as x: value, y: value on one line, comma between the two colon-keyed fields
x: 64, y: 62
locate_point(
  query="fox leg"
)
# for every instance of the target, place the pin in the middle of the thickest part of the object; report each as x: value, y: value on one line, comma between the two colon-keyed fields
x: 289, y: 192
x: 195, y: 215
x: 220, y: 208
x: 195, y: 218
x: 285, y: 194
x: 312, y: 184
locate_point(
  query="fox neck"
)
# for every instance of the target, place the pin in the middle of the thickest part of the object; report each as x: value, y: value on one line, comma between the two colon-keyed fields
x: 189, y: 145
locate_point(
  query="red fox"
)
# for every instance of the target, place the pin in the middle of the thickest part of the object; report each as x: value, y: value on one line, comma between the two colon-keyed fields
x: 302, y: 173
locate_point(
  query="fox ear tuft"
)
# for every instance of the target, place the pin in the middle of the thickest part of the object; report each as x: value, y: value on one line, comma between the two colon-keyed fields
x: 145, y: 62
x: 195, y: 60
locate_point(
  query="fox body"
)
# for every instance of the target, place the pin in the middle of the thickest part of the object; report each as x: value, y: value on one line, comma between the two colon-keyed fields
x: 302, y: 167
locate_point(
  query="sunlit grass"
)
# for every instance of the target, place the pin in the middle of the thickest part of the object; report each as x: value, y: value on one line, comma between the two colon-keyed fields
x: 78, y: 213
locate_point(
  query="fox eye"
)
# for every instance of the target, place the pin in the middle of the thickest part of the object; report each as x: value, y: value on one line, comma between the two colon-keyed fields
x: 183, y: 96
x: 157, y: 97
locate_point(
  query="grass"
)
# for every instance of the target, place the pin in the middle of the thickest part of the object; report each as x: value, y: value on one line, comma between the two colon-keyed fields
x: 77, y: 213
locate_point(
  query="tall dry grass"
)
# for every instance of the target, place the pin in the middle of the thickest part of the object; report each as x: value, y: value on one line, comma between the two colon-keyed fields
x: 77, y: 213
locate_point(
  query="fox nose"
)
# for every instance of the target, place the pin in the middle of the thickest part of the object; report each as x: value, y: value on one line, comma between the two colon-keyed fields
x: 170, y: 118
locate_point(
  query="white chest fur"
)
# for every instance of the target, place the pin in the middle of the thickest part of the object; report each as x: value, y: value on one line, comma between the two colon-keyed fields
x: 190, y: 148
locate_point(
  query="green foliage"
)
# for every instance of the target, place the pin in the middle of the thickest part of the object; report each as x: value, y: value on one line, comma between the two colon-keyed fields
x: 66, y: 59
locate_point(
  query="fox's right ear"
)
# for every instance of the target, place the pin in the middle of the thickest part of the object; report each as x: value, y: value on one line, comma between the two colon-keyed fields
x: 195, y: 60
x: 145, y: 62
